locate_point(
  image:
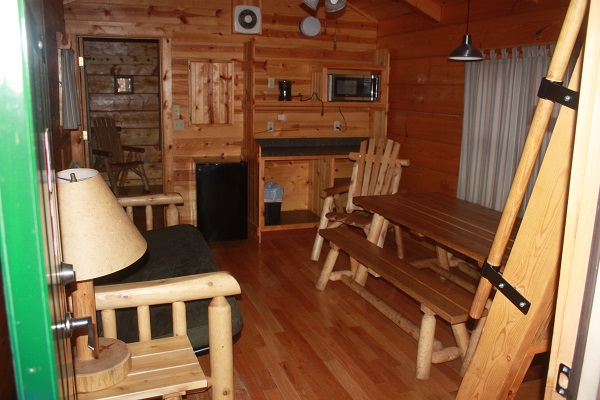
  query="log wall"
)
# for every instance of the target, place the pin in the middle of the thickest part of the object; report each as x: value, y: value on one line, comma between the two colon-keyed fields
x: 201, y: 30
x: 426, y: 89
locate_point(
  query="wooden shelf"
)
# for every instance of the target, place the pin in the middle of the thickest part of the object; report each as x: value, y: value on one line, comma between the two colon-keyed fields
x: 160, y: 367
x: 295, y: 219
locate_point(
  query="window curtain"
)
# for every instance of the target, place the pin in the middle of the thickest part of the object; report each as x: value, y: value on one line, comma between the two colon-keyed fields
x: 499, y: 103
x: 70, y: 102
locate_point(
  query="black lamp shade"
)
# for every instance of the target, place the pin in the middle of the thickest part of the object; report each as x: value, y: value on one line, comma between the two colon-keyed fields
x: 466, y: 51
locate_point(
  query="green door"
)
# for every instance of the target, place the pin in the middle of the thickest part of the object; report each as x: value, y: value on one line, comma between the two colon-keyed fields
x: 30, y: 245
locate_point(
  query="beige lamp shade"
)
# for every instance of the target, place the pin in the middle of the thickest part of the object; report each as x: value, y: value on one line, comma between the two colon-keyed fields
x: 98, y: 238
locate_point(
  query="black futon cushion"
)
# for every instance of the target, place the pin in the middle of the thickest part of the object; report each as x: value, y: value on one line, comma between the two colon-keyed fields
x: 174, y: 251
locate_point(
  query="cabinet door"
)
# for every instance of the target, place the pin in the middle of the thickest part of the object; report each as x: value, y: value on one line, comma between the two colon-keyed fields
x: 211, y: 92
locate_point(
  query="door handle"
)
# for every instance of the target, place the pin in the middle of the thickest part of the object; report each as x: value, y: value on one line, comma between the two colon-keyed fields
x: 70, y: 324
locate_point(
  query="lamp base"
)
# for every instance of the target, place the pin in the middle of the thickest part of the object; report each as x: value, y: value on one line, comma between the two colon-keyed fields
x: 112, y: 366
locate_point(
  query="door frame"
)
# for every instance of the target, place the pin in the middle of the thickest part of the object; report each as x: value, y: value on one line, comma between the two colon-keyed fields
x: 77, y: 33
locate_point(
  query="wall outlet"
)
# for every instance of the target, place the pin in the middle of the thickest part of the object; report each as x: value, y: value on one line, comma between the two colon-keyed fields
x: 336, y: 126
x: 271, y: 83
x: 270, y: 126
x: 178, y: 125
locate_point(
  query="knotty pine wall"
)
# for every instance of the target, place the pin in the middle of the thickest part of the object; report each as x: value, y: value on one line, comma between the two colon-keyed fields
x: 196, y: 30
x: 426, y: 89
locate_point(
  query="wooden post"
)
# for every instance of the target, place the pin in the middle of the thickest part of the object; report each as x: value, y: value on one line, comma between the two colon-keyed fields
x: 221, y: 348
x: 84, y: 305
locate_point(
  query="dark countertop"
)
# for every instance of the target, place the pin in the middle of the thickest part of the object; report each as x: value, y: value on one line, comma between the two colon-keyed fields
x: 308, y: 146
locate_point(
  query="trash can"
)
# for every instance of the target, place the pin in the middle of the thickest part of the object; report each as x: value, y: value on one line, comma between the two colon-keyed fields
x: 273, y: 200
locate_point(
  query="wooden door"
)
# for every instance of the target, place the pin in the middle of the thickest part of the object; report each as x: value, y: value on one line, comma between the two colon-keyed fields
x: 30, y: 249
x: 121, y: 79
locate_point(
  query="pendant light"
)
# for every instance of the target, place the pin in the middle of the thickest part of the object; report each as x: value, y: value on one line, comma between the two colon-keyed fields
x: 466, y: 51
x: 332, y: 6
x: 312, y: 4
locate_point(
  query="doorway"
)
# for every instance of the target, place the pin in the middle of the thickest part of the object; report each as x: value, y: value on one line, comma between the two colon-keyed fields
x: 122, y: 82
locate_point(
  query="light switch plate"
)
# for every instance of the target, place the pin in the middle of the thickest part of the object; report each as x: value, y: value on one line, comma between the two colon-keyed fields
x: 178, y: 125
x: 271, y: 83
x: 176, y: 111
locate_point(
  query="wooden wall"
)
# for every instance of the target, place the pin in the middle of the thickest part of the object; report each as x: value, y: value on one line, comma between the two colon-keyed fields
x: 196, y: 30
x: 426, y: 89
x: 138, y: 114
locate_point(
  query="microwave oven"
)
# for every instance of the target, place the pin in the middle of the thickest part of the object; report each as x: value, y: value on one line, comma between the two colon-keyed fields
x: 343, y: 87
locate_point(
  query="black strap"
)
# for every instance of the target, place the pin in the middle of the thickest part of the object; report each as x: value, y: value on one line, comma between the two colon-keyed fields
x: 556, y: 92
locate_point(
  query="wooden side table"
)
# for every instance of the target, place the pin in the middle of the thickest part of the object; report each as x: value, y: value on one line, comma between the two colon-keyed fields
x: 164, y: 367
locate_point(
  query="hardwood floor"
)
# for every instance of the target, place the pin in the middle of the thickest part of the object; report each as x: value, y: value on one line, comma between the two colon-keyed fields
x: 301, y: 343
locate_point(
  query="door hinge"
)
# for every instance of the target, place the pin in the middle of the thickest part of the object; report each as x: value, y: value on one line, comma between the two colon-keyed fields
x: 562, y: 379
x: 81, y: 61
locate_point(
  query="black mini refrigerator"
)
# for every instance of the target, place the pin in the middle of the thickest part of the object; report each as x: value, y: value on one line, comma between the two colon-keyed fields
x: 222, y: 201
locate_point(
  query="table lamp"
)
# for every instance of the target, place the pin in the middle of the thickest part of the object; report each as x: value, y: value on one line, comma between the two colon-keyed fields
x: 98, y: 238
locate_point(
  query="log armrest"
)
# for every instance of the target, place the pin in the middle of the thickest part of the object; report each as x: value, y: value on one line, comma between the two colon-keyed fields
x: 171, y: 290
x: 133, y: 149
x: 332, y: 191
x: 141, y: 295
x: 175, y: 254
x: 170, y: 200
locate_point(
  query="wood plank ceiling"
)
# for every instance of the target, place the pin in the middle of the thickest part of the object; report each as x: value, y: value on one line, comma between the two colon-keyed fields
x: 435, y: 10
x: 382, y: 9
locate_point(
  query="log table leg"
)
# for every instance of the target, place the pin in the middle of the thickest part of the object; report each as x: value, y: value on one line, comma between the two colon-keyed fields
x: 376, y: 225
x: 328, y: 267
x: 425, y: 345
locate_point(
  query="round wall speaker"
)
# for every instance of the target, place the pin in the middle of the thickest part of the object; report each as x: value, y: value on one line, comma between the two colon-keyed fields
x: 310, y: 26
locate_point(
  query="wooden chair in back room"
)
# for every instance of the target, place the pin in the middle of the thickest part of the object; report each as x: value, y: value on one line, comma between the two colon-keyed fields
x: 114, y: 158
x: 376, y: 171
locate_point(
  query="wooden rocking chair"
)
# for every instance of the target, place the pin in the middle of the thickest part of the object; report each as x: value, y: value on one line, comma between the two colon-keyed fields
x: 376, y: 171
x: 111, y: 157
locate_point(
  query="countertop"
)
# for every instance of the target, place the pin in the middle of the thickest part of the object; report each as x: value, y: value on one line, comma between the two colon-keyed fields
x: 308, y: 146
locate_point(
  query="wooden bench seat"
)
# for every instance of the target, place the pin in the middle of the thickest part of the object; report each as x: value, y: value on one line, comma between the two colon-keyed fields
x: 437, y: 296
x: 446, y: 299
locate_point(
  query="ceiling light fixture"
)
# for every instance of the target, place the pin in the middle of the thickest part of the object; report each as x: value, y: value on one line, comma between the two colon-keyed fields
x: 331, y: 6
x: 466, y: 51
x: 334, y: 5
x: 312, y: 4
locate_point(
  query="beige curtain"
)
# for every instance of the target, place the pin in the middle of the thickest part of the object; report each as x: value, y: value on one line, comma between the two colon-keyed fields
x: 70, y: 100
x: 499, y: 102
